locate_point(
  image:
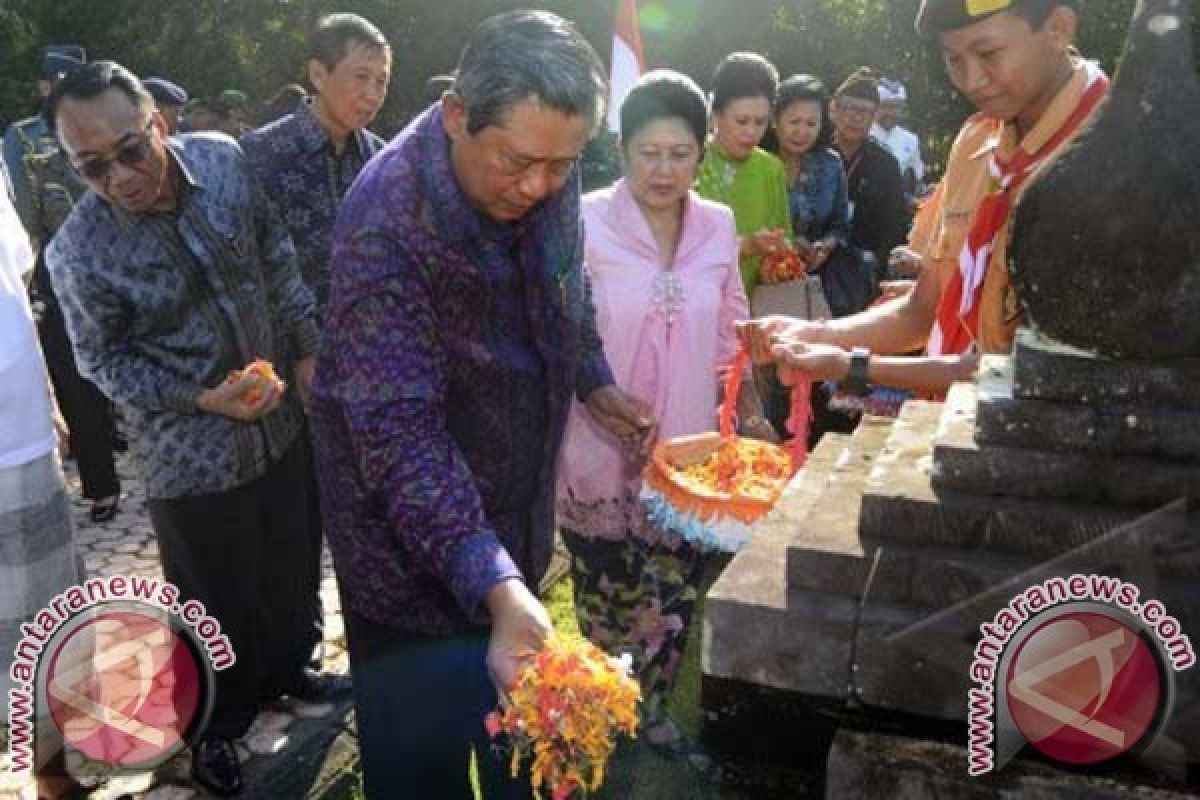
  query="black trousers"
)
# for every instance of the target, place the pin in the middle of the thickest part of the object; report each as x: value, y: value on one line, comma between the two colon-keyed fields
x: 421, y: 701
x: 86, y: 410
x: 249, y: 556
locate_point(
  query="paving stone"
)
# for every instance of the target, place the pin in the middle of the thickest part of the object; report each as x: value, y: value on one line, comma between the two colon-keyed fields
x: 339, y: 663
x: 170, y: 792
x: 266, y: 743
x: 330, y: 599
x: 270, y: 721
x: 121, y: 562
x: 310, y: 710
x: 124, y: 785
x: 284, y: 736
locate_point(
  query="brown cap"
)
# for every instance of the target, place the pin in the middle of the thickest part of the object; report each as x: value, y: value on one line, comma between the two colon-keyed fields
x: 938, y: 16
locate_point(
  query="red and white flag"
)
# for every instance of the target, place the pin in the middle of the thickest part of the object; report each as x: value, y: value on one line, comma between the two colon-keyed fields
x: 628, y: 63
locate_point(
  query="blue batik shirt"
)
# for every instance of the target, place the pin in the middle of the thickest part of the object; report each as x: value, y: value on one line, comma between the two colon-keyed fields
x: 295, y: 162
x: 161, y: 306
x: 818, y: 198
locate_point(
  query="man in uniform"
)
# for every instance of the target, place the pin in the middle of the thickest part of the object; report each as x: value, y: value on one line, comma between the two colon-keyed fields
x: 170, y: 99
x: 45, y: 191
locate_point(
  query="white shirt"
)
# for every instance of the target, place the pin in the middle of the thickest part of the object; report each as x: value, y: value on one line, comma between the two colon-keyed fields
x: 905, y: 146
x: 26, y: 432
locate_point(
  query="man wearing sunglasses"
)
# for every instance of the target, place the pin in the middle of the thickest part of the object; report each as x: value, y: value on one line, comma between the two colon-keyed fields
x: 173, y: 271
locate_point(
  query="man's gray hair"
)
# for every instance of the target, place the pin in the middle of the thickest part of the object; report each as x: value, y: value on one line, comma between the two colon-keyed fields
x: 517, y: 55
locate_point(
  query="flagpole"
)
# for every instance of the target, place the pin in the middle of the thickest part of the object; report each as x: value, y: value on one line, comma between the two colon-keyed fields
x: 628, y: 62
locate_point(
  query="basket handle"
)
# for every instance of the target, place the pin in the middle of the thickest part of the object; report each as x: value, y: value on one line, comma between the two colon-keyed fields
x: 733, y: 385
x: 799, y: 418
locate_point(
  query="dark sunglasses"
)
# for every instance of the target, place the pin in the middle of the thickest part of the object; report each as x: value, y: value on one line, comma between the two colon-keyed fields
x: 129, y: 154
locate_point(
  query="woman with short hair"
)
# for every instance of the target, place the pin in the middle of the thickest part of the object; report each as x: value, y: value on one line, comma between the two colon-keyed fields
x: 663, y: 264
x: 739, y: 173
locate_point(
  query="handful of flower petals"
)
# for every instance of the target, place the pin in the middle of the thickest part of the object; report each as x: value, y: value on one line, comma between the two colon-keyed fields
x: 565, y: 711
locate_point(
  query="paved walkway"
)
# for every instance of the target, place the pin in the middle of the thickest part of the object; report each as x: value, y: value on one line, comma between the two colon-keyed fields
x: 293, y: 750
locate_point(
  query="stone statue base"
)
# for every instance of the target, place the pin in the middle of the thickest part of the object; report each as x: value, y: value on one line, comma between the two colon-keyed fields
x: 861, y: 595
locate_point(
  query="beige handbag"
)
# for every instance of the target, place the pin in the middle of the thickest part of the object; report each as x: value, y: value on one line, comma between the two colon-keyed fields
x: 802, y: 299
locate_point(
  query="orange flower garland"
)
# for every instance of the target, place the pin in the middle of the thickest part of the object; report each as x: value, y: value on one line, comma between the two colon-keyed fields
x: 565, y: 710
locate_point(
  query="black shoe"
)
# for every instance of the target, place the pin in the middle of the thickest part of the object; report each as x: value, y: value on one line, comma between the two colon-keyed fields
x: 215, y: 766
x: 321, y: 687
x: 105, y: 508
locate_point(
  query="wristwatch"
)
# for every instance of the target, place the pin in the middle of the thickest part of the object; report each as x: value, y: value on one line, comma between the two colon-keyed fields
x: 856, y: 379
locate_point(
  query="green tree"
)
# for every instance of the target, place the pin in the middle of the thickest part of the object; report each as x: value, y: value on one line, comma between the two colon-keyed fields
x: 258, y: 45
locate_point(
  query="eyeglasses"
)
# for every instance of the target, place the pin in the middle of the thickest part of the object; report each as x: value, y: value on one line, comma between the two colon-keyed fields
x: 516, y: 166
x: 129, y: 154
x: 856, y: 110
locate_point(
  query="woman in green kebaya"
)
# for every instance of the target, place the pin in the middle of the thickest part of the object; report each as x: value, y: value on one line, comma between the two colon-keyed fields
x: 736, y: 171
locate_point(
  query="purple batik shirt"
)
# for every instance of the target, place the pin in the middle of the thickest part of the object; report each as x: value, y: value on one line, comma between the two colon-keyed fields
x: 451, y: 351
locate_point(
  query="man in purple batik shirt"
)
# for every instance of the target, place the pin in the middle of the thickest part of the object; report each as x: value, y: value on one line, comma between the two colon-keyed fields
x: 459, y: 329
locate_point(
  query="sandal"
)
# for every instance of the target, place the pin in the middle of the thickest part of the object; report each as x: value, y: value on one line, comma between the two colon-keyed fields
x: 104, y: 509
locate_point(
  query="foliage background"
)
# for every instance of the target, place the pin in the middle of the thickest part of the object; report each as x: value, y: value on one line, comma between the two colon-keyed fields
x: 258, y: 45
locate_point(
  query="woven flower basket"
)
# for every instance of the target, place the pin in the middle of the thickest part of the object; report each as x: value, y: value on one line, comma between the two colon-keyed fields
x: 711, y: 488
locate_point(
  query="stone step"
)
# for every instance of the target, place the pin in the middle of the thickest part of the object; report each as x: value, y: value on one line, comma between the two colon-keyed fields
x: 964, y: 465
x: 917, y: 662
x: 934, y: 578
x: 868, y: 765
x: 1042, y: 371
x: 1109, y: 429
x: 755, y: 630
x: 901, y: 505
x: 825, y: 552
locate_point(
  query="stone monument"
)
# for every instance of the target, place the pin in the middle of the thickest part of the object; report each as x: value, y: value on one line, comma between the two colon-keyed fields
x: 853, y: 615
